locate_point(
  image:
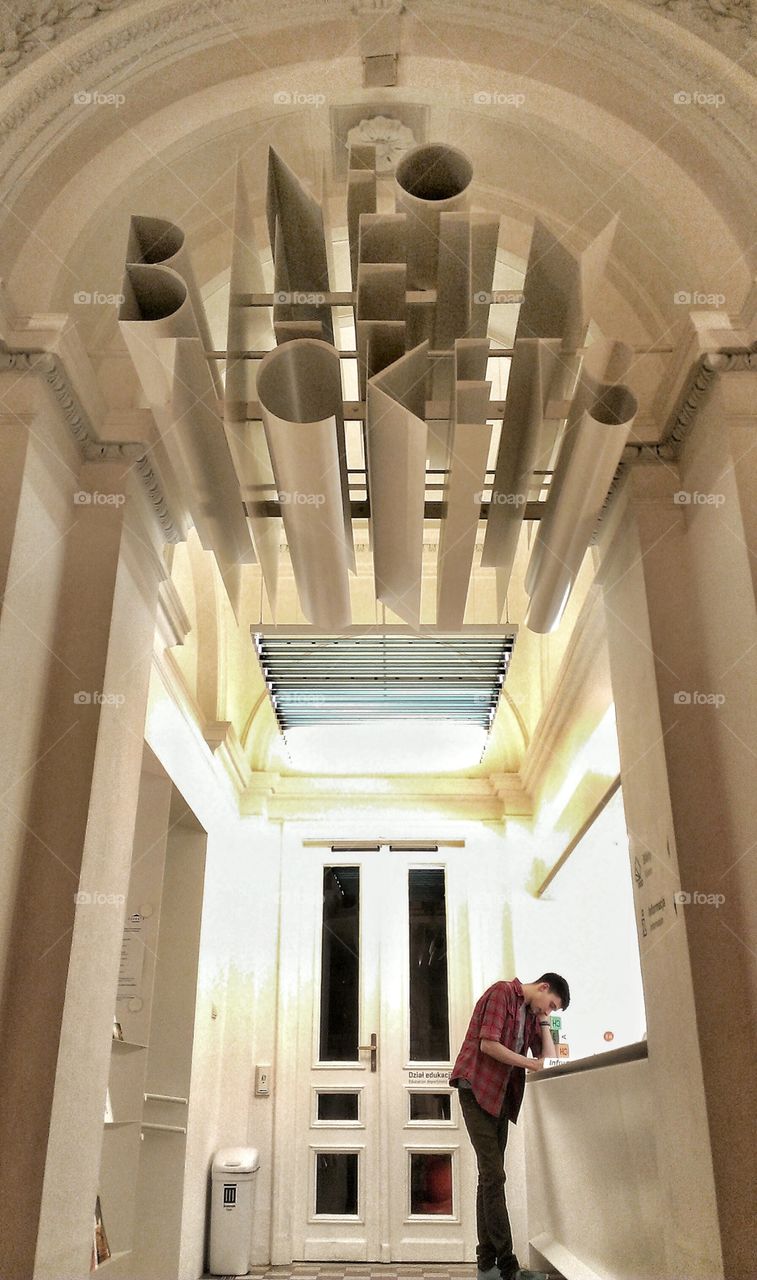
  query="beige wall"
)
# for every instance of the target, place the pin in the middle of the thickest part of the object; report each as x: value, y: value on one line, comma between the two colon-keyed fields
x: 681, y: 627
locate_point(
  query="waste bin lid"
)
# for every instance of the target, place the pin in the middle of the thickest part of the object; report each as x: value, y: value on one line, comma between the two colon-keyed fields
x: 236, y: 1160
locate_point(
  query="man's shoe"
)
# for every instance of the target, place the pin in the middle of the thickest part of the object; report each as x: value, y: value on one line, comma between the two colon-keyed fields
x: 510, y: 1272
x: 491, y: 1273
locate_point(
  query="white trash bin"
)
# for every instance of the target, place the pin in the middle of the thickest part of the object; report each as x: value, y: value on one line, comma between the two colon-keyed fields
x: 231, y: 1210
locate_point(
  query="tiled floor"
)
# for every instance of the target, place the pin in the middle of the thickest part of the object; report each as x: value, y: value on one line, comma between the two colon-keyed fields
x: 365, y: 1271
x: 370, y: 1271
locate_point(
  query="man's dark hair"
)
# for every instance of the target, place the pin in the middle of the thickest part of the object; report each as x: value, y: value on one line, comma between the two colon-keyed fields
x: 558, y: 986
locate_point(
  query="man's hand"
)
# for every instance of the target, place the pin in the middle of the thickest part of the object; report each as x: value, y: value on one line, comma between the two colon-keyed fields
x: 534, y: 1064
x: 548, y: 1046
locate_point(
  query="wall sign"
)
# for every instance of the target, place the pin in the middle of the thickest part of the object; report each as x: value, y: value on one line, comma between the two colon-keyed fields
x: 132, y: 958
x: 429, y: 1076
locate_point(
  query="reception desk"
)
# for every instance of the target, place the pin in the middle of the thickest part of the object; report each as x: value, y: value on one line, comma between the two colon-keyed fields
x: 594, y: 1204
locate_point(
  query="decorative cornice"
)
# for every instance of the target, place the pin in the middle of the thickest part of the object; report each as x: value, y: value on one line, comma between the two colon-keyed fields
x: 709, y: 368
x: 32, y: 30
x: 669, y: 448
x: 222, y: 739
x: 721, y: 15
x: 50, y: 367
x: 155, y: 494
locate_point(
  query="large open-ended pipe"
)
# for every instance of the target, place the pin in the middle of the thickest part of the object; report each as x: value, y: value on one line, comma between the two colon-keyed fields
x: 599, y: 422
x: 158, y: 242
x: 156, y: 309
x: 299, y: 387
x: 430, y: 180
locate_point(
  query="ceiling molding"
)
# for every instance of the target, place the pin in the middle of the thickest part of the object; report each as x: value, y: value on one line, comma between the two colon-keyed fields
x: 173, y: 624
x: 584, y: 660
x: 50, y: 367
x: 281, y: 797
x: 219, y: 739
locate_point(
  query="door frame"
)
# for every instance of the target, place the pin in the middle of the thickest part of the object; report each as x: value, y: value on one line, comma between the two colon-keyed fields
x: 298, y: 1043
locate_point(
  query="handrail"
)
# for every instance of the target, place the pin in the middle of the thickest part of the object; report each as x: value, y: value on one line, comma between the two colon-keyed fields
x: 572, y: 844
x: 612, y: 1058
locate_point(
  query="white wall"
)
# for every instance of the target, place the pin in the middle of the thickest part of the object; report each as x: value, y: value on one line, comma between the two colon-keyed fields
x: 237, y: 943
x: 584, y: 927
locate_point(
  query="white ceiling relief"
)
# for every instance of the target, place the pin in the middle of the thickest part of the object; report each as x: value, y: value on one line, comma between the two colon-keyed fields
x: 390, y: 137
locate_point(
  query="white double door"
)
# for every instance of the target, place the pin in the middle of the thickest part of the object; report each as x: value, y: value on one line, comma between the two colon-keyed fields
x: 372, y: 1161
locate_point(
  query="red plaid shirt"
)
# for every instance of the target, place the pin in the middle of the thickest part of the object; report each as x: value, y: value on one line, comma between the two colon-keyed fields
x: 495, y: 1017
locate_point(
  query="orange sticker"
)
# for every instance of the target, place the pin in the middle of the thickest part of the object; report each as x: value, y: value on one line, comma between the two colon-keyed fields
x: 609, y: 1035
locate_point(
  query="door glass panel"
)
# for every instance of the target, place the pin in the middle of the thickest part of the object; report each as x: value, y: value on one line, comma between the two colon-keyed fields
x: 340, y: 963
x: 337, y: 1106
x: 430, y: 1182
x: 336, y: 1182
x: 430, y: 1106
x: 429, y: 1012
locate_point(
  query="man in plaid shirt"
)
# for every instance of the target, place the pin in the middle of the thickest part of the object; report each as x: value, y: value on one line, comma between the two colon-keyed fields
x: 490, y: 1075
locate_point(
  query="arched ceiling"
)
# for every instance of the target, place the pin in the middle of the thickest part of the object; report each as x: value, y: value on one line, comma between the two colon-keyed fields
x: 598, y: 129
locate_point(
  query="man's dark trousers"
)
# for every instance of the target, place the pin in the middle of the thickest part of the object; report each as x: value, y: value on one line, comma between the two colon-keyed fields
x: 488, y: 1135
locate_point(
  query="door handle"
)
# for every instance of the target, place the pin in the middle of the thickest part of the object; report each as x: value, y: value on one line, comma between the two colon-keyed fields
x: 373, y: 1048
